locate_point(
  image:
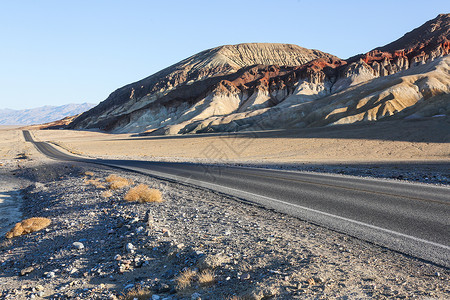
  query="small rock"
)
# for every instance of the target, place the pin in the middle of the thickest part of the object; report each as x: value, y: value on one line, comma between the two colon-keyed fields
x: 78, y: 245
x: 26, y: 271
x: 167, y: 233
x: 39, y: 287
x: 162, y: 287
x: 155, y: 297
x: 117, y: 257
x: 195, y: 296
x: 130, y: 248
x: 245, y: 276
x: 140, y: 229
x: 51, y: 275
x: 149, y: 219
x: 129, y: 286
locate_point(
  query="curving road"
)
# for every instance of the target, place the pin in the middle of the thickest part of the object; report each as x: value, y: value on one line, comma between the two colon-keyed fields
x: 410, y: 218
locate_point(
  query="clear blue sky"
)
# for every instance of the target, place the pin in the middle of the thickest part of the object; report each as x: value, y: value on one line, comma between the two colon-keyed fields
x: 59, y: 52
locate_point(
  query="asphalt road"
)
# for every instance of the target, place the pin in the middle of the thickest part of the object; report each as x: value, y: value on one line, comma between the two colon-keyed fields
x: 410, y: 218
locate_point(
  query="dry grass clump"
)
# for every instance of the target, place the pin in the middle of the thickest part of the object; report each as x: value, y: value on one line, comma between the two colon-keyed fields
x: 206, y: 278
x: 106, y: 194
x: 143, y: 193
x: 137, y: 293
x: 185, y: 279
x: 28, y: 226
x: 117, y: 182
x: 95, y: 182
x: 89, y: 173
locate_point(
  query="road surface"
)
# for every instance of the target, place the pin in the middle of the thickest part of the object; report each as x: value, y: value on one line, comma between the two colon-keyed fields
x: 410, y: 218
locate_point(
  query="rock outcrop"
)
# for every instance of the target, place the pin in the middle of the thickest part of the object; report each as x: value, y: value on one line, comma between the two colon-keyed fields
x: 267, y: 86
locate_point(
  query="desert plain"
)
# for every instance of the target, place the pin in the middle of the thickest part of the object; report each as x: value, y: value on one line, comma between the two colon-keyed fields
x: 416, y: 149
x: 406, y: 140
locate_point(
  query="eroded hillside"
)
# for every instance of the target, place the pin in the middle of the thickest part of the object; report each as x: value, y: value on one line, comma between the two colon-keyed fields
x: 268, y: 86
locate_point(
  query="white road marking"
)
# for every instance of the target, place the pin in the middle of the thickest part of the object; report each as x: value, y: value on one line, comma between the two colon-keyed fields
x: 208, y: 185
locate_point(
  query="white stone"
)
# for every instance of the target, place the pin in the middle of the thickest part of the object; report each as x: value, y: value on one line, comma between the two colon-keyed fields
x: 130, y: 248
x: 195, y: 296
x: 78, y: 245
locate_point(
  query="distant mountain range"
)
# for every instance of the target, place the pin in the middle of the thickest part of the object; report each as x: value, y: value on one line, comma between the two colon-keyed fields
x: 40, y: 115
x: 275, y: 86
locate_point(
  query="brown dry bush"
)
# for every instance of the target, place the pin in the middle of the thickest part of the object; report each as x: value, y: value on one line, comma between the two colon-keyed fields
x: 117, y: 182
x: 106, y: 194
x: 28, y: 226
x: 143, y: 193
x: 185, y: 279
x: 137, y: 293
x: 206, y: 278
x: 95, y: 182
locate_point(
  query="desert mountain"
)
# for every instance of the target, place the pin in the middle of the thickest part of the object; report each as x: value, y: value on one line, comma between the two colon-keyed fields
x: 42, y: 114
x: 189, y: 79
x: 268, y: 86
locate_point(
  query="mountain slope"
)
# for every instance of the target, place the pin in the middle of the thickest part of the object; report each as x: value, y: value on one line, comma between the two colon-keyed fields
x: 42, y: 114
x: 268, y: 86
x: 205, y: 69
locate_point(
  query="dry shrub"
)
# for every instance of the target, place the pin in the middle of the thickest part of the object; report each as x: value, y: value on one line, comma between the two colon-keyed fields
x: 28, y: 226
x: 117, y: 185
x: 106, y: 194
x: 206, y: 278
x: 95, y: 182
x: 185, y: 279
x: 112, y: 177
x: 137, y: 293
x: 117, y: 182
x: 143, y: 193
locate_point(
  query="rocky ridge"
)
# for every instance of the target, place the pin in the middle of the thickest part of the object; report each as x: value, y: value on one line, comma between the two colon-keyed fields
x: 43, y: 114
x: 267, y: 86
x: 189, y: 78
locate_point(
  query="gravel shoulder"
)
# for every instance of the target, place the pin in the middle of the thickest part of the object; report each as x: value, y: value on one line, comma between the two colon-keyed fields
x: 254, y: 253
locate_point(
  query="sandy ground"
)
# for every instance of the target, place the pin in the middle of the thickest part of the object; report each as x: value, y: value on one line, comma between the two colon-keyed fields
x: 12, y: 143
x: 10, y: 201
x: 418, y: 140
